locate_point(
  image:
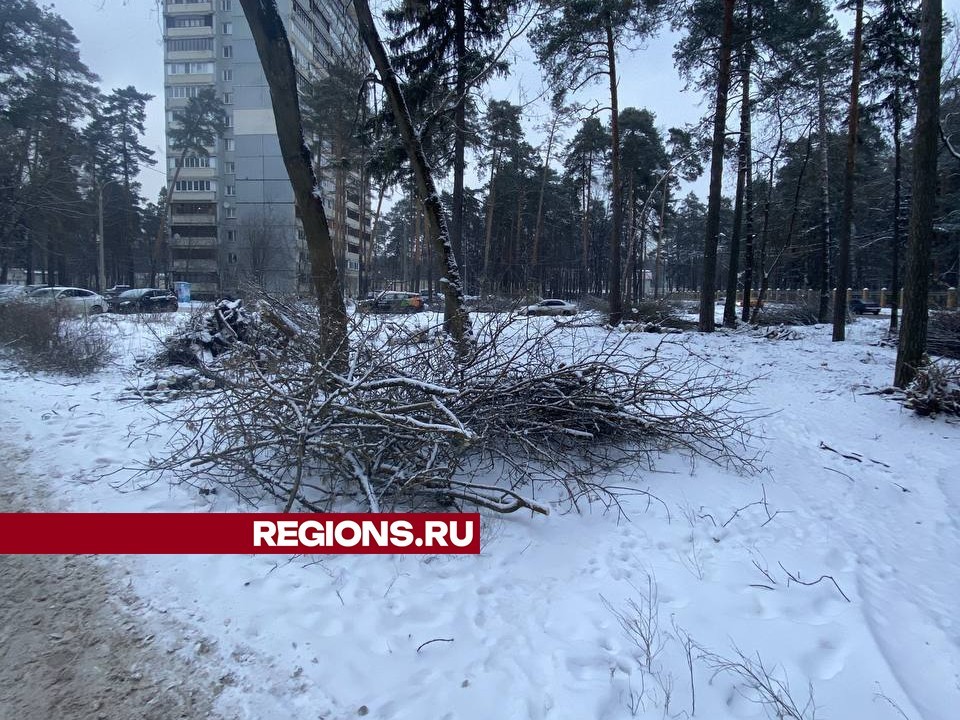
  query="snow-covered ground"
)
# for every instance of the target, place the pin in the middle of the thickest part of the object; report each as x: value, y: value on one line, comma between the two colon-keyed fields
x: 856, y: 489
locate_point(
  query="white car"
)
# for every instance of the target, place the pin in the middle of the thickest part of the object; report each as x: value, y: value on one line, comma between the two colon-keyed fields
x: 71, y: 298
x: 551, y: 306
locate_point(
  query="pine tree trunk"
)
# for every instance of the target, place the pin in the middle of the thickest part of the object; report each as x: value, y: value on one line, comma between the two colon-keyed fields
x: 664, y: 203
x: 733, y: 266
x: 708, y: 286
x: 897, y: 185
x: 631, y: 247
x: 823, y: 270
x: 460, y: 126
x: 748, y: 228
x: 849, y: 184
x: 913, y: 330
x: 616, y: 301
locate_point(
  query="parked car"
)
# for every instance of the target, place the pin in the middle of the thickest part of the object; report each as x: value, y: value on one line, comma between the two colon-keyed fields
x: 551, y: 306
x: 859, y: 307
x: 144, y: 300
x: 71, y: 298
x: 393, y: 301
x: 115, y: 290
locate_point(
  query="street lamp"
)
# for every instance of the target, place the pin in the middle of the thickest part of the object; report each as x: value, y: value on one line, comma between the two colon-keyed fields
x: 101, y: 269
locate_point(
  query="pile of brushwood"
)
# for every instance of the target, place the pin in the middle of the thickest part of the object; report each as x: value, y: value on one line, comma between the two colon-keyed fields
x: 207, y: 334
x: 529, y: 419
x: 935, y: 389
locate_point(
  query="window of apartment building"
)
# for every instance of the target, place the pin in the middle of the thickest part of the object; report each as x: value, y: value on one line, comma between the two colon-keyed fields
x: 195, y: 161
x: 353, y: 265
x: 226, y: 28
x: 189, y: 21
x: 229, y: 144
x: 228, y: 120
x: 193, y: 208
x: 194, y: 186
x: 186, y: 91
x: 232, y: 257
x: 228, y: 98
x: 230, y: 167
x: 228, y: 51
x: 226, y: 4
x: 231, y: 235
x: 229, y: 212
x: 227, y: 75
x: 189, y: 68
x: 189, y: 44
x: 355, y: 249
x: 230, y: 190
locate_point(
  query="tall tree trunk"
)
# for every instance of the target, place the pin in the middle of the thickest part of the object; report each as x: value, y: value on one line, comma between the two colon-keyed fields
x: 897, y: 185
x: 664, y: 203
x: 748, y: 234
x: 616, y: 301
x: 913, y: 330
x: 585, y: 228
x: 460, y: 126
x: 275, y: 57
x: 849, y: 183
x: 733, y: 266
x: 455, y: 318
x: 708, y: 287
x: 488, y: 223
x: 631, y: 255
x: 538, y: 229
x: 823, y: 269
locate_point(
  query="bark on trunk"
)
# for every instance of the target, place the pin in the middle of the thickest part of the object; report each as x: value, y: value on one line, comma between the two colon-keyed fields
x: 846, y: 223
x: 897, y: 185
x: 616, y: 301
x: 913, y: 330
x: 823, y: 277
x: 709, y: 285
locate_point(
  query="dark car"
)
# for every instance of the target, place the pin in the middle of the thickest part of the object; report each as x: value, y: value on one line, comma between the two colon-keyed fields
x: 115, y: 290
x: 859, y: 307
x: 144, y: 300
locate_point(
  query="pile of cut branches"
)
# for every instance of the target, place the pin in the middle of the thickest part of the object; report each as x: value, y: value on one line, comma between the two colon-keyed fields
x: 935, y: 389
x: 206, y: 334
x: 532, y: 416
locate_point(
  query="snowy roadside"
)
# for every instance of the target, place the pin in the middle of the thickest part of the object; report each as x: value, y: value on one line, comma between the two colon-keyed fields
x: 73, y: 641
x: 530, y: 618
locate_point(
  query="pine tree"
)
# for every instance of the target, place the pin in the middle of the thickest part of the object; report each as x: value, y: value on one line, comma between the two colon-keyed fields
x: 913, y: 331
x: 891, y: 39
x: 577, y: 42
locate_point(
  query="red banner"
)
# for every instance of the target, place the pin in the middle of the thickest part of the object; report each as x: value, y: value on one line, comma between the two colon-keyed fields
x: 238, y: 533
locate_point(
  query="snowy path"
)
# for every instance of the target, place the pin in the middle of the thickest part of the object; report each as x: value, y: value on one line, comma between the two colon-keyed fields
x: 531, y: 634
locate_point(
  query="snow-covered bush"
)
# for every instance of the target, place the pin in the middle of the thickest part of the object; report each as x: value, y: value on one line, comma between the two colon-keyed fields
x: 46, y: 337
x: 410, y: 423
x: 935, y: 389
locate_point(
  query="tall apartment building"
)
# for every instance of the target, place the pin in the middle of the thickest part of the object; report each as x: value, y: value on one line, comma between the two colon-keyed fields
x: 232, y: 216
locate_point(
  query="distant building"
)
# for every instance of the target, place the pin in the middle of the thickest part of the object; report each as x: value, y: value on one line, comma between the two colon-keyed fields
x: 233, y: 217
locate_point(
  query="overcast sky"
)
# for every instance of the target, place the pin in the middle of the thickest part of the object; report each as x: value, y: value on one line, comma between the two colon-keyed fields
x: 121, y: 41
